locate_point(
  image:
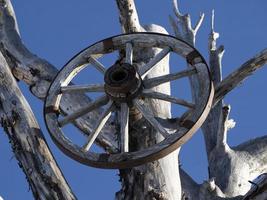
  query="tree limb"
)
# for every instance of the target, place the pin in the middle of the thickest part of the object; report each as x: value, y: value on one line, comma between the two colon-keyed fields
x: 158, y: 179
x: 236, y: 77
x: 28, y: 143
x: 208, y: 190
x: 186, y: 32
x: 128, y: 16
x: 213, y: 124
x: 224, y: 125
x: 228, y: 166
x: 189, y: 187
x: 257, y: 149
x: 38, y: 74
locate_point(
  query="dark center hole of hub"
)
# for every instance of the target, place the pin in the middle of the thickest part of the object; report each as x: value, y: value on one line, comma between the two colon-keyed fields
x: 119, y: 75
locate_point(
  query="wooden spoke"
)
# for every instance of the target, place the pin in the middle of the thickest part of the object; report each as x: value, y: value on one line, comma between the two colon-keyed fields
x: 145, y: 69
x: 129, y: 53
x: 124, y: 115
x: 157, y: 95
x: 82, y: 111
x: 83, y: 88
x: 153, y: 82
x: 150, y: 118
x: 172, y: 131
x: 97, y: 64
x: 98, y: 126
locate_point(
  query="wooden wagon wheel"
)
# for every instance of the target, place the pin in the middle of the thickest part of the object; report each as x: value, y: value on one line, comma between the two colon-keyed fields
x: 124, y: 86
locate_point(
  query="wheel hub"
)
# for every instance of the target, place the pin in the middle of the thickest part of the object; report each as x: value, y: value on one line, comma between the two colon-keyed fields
x: 122, y: 82
x: 125, y: 92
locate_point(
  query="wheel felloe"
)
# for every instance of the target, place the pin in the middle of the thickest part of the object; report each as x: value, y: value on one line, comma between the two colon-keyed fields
x: 125, y: 90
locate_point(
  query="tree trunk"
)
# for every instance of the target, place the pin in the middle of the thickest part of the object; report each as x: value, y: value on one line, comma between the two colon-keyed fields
x: 158, y: 179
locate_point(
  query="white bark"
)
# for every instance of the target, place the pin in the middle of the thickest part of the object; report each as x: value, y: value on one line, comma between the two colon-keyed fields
x: 128, y: 16
x: 229, y: 168
x: 159, y: 179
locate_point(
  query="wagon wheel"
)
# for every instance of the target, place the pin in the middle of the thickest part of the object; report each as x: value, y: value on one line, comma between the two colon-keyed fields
x: 124, y: 87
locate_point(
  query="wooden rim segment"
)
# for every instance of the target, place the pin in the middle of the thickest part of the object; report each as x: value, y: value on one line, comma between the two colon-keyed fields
x: 182, y: 128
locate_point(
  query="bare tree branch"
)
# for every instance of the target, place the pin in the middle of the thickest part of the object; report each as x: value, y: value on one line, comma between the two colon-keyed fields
x: 175, y: 27
x: 257, y: 149
x: 208, y: 190
x: 176, y: 9
x: 38, y: 74
x: 189, y: 186
x: 28, y: 143
x: 224, y: 125
x: 236, y: 77
x: 158, y: 179
x: 225, y: 164
x: 214, y: 127
x: 211, y: 127
x: 199, y: 22
x: 128, y: 16
x: 187, y: 32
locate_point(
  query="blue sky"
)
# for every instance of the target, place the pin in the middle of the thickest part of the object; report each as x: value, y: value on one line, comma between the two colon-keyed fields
x: 57, y: 30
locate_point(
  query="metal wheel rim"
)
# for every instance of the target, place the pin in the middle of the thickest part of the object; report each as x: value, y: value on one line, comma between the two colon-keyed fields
x: 157, y: 151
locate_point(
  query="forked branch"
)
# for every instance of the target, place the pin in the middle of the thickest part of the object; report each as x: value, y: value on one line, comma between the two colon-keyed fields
x: 186, y: 31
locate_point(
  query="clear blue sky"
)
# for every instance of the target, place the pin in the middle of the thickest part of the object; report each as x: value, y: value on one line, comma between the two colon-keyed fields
x: 57, y: 30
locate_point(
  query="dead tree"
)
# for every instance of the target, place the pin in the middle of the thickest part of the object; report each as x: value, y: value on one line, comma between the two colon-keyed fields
x: 160, y: 179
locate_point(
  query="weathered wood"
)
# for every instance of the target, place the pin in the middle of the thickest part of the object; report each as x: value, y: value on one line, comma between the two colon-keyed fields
x: 157, y: 95
x: 99, y: 66
x: 90, y: 107
x: 159, y: 148
x: 34, y: 157
x: 150, y: 118
x: 225, y: 164
x: 129, y: 53
x: 145, y: 69
x: 158, y: 178
x: 128, y: 16
x: 98, y: 126
x: 38, y: 74
x: 83, y: 88
x: 186, y: 31
x: 258, y: 189
x: 124, y: 124
x: 214, y: 125
x: 153, y: 82
x: 236, y: 77
x: 211, y: 125
x: 40, y: 83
